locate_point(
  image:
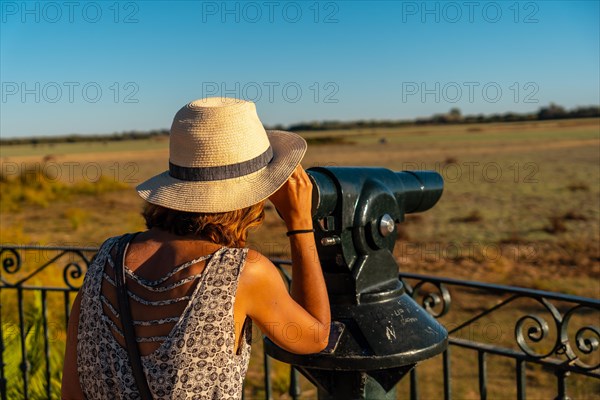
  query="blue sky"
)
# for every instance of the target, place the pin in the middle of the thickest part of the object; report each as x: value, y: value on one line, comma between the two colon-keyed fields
x: 103, y: 67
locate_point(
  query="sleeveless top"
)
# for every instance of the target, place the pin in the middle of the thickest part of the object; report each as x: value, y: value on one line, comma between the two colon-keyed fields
x: 195, y: 361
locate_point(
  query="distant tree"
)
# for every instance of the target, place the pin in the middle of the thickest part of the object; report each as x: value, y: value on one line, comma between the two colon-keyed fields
x: 553, y: 111
x: 455, y: 112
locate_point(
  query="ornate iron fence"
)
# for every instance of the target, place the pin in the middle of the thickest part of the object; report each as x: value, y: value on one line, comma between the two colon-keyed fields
x: 523, y: 327
x: 557, y: 331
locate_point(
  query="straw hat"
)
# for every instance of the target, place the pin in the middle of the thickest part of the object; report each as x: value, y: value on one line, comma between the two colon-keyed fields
x: 222, y: 159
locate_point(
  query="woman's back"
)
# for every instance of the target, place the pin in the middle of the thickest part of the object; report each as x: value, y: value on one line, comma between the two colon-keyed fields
x: 184, y: 323
x: 193, y: 304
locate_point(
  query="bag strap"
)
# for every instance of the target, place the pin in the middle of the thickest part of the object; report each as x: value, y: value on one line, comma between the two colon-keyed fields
x: 127, y: 321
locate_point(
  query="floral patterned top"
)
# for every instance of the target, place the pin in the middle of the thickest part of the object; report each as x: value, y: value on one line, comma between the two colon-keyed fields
x: 195, y: 361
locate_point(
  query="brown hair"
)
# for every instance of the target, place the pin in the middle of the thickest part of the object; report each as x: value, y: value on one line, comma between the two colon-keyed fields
x: 228, y: 228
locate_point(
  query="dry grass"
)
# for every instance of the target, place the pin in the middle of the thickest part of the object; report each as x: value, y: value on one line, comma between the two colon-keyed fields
x: 521, y: 206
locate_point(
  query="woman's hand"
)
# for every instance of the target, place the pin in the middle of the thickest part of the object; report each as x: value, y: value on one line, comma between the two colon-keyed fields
x: 293, y: 200
x: 272, y: 307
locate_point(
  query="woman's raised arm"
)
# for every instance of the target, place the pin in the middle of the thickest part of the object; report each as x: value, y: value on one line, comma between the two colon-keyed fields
x: 298, y: 323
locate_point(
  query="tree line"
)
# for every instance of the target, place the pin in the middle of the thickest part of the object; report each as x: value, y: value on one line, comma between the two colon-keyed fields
x: 454, y: 116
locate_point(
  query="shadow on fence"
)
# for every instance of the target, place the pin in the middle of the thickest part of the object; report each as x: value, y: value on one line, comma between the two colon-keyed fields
x: 504, y: 341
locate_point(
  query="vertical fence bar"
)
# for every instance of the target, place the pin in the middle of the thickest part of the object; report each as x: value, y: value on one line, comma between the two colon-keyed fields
x: 294, y: 384
x: 414, y: 390
x: 482, y: 362
x: 520, y: 379
x: 23, y: 366
x: 446, y: 361
x: 561, y: 380
x: 2, y: 378
x: 46, y: 341
x: 267, y: 366
x: 67, y: 309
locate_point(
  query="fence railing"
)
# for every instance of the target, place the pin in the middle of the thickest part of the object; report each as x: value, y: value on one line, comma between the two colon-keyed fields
x: 493, y: 328
x: 557, y: 331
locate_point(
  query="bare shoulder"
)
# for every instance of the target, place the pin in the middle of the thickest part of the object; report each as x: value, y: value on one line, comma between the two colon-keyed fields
x: 258, y: 267
x: 259, y: 282
x: 260, y: 276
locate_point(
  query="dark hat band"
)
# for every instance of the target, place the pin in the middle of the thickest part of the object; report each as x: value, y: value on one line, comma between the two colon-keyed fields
x: 221, y: 172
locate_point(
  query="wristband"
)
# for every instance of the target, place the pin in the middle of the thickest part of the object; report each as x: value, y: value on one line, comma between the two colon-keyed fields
x: 290, y: 233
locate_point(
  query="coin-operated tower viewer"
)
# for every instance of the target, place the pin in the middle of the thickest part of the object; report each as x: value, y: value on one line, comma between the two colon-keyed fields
x: 378, y: 332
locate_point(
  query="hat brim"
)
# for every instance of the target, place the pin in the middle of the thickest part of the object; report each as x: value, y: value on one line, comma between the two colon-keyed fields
x: 228, y: 194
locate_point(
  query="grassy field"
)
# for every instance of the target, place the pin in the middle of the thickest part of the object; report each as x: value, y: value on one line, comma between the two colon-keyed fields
x: 521, y: 206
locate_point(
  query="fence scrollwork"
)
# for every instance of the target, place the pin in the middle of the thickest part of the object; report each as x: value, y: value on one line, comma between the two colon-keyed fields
x: 587, y: 340
x: 72, y: 271
x: 437, y: 303
x: 72, y: 261
x: 11, y: 260
x: 550, y: 339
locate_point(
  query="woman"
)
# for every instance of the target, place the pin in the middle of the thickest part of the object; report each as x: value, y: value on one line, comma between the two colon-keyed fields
x: 193, y: 289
